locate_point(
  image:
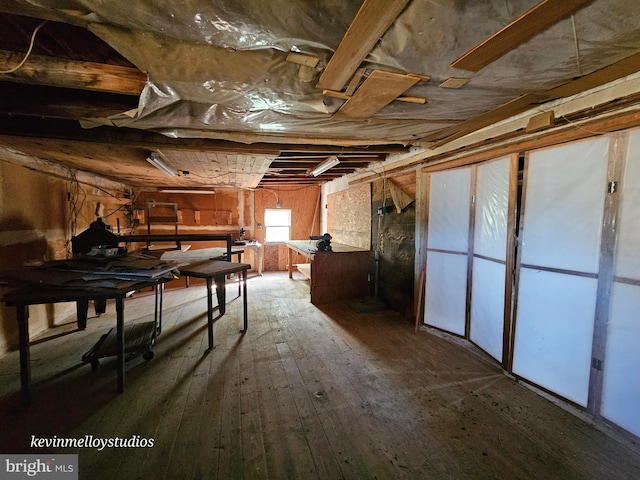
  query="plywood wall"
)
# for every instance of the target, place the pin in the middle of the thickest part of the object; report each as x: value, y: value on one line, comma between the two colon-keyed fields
x: 304, y: 203
x: 38, y: 215
x: 349, y: 216
x: 198, y: 213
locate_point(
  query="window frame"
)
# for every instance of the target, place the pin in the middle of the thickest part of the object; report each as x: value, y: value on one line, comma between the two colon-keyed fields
x: 269, y: 226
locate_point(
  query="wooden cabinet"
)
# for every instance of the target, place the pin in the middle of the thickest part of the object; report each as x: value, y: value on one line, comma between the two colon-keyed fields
x: 340, y: 274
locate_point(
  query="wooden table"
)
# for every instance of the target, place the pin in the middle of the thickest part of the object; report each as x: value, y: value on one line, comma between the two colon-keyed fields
x: 217, y: 271
x: 23, y: 297
x: 339, y: 274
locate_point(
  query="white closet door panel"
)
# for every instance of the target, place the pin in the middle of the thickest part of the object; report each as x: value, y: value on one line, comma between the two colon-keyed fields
x: 628, y: 248
x: 621, y: 387
x: 554, y: 332
x: 487, y: 306
x: 446, y: 291
x: 492, y: 202
x: 449, y: 210
x: 564, y: 206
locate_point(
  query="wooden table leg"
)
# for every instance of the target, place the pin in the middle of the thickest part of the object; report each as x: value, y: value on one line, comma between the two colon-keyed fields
x: 290, y: 261
x: 120, y: 341
x: 25, y: 356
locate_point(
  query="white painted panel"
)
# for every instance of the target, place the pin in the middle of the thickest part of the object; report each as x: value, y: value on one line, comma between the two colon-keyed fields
x: 628, y: 249
x: 564, y: 205
x: 492, y: 201
x: 554, y: 331
x: 446, y: 291
x: 449, y: 210
x: 621, y: 388
x: 487, y: 306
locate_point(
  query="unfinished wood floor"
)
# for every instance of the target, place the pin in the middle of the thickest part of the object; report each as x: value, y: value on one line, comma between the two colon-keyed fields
x: 304, y: 394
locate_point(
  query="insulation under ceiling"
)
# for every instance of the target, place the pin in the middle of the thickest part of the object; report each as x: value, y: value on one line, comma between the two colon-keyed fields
x: 224, y: 70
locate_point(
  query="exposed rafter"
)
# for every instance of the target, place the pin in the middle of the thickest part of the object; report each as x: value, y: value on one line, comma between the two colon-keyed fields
x: 369, y: 24
x: 529, y: 24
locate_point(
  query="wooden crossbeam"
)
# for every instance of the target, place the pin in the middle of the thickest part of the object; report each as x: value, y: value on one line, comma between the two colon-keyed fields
x: 56, y: 72
x: 369, y: 24
x: 523, y: 28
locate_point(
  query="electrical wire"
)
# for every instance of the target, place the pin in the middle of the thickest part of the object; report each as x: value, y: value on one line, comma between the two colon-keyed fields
x: 577, y: 47
x: 578, y: 127
x: 33, y: 38
x: 75, y: 206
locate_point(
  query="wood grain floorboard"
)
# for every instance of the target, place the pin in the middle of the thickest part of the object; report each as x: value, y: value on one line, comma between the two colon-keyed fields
x: 305, y: 393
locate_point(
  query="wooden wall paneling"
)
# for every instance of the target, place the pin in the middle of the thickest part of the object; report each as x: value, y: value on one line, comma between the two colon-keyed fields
x: 615, y: 172
x: 206, y: 213
x: 302, y: 202
x: 38, y: 215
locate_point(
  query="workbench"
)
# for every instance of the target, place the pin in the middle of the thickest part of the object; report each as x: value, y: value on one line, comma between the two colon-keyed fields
x: 54, y: 284
x: 336, y: 275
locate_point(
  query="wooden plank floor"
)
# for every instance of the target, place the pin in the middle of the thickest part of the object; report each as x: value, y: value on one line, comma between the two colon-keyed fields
x: 304, y: 394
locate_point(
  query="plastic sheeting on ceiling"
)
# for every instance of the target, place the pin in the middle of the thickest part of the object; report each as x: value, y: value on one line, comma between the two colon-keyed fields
x: 219, y: 70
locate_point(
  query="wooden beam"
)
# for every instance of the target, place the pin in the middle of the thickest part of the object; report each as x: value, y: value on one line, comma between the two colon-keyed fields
x: 506, y: 110
x: 525, y: 27
x: 617, y: 70
x: 376, y: 92
x: 607, y: 74
x: 51, y: 102
x: 42, y: 70
x: 14, y: 127
x: 373, y: 19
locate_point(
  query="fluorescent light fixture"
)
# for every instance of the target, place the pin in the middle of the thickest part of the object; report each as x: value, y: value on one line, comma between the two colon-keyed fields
x: 330, y: 162
x: 186, y: 190
x: 154, y: 159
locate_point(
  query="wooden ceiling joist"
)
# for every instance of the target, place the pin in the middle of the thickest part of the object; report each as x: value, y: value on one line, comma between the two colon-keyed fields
x: 620, y: 69
x: 373, y: 19
x: 513, y: 107
x: 57, y: 72
x: 617, y: 70
x: 529, y: 24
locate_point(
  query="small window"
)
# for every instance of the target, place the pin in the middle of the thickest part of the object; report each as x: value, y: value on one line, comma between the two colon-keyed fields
x: 277, y: 222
